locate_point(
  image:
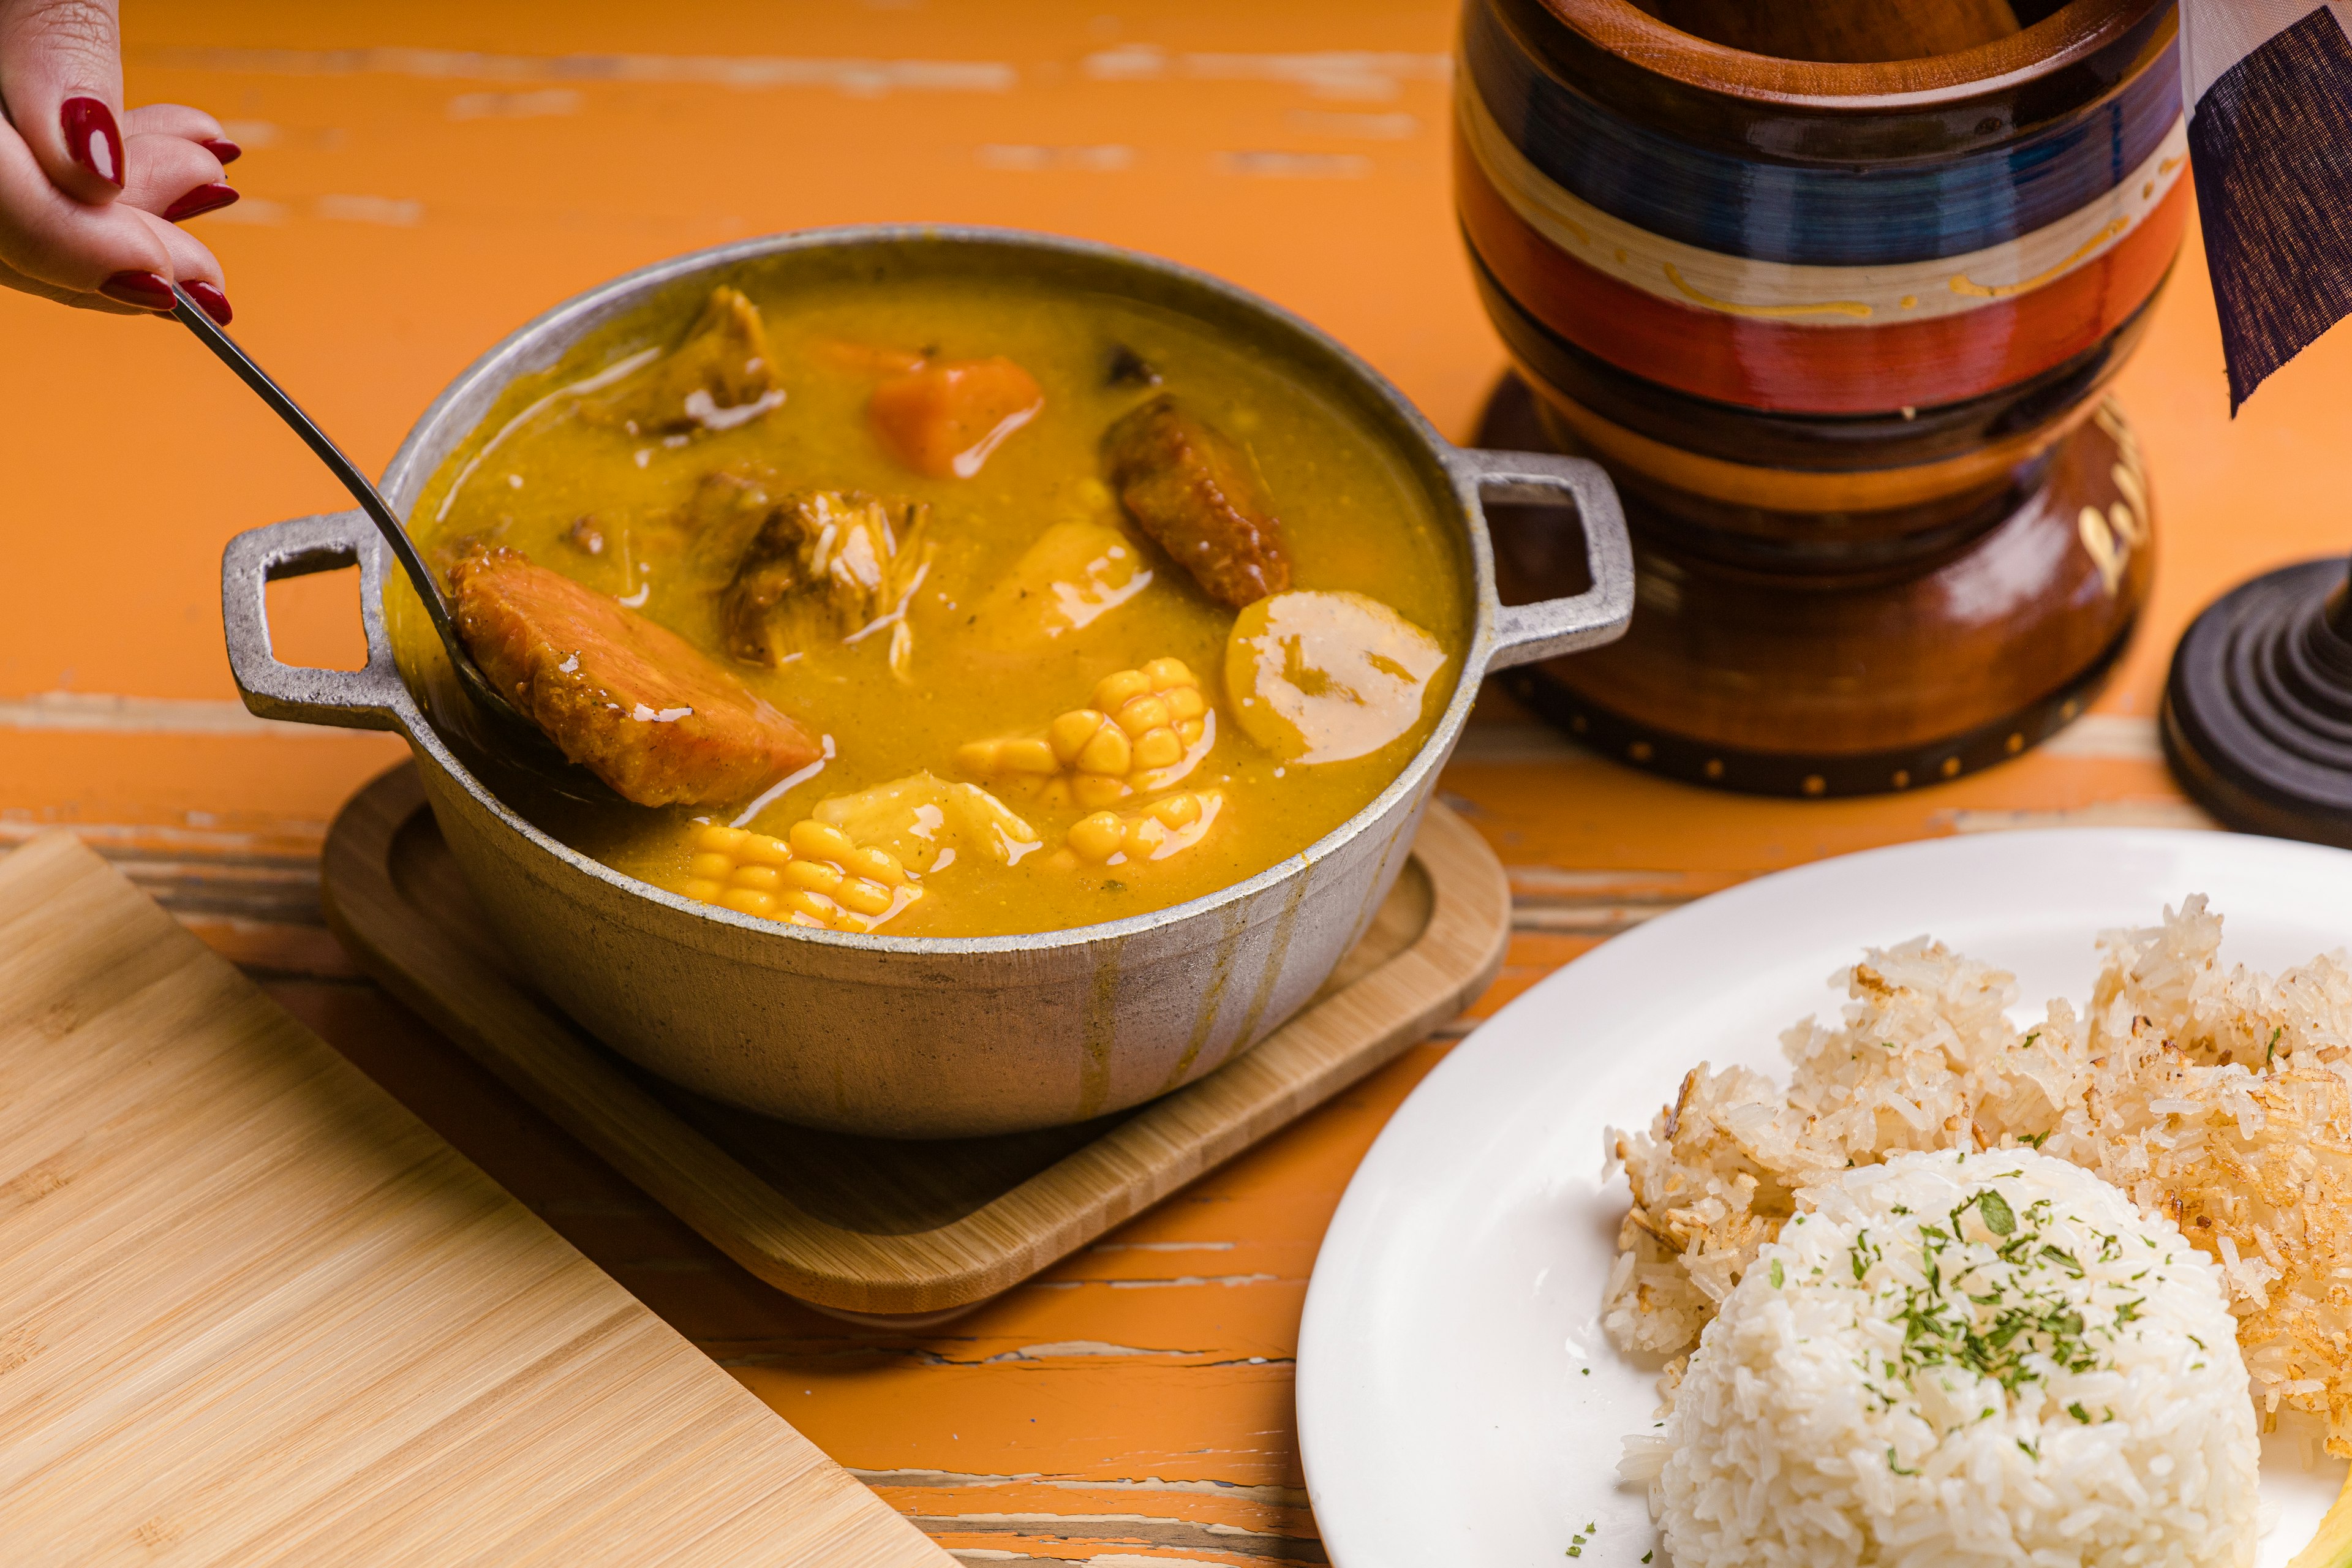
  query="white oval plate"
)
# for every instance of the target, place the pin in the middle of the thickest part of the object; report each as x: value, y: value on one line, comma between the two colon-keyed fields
x: 1457, y: 1401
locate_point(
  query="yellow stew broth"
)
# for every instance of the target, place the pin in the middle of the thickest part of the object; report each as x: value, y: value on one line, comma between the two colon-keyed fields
x: 991, y: 650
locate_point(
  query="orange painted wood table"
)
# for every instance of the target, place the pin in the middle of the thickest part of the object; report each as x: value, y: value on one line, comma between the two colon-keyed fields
x: 422, y: 176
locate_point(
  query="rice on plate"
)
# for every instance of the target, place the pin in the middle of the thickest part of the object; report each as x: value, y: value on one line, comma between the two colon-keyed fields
x: 1943, y: 1390
x: 1951, y: 1360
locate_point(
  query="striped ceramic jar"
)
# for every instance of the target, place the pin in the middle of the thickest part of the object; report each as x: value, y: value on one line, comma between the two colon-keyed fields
x: 1829, y: 321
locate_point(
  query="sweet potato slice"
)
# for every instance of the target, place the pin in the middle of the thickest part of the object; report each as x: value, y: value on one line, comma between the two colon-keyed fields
x: 630, y: 701
x: 945, y: 418
x: 1198, y: 496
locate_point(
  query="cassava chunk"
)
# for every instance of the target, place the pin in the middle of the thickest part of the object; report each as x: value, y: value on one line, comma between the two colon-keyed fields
x: 718, y: 376
x: 632, y: 702
x: 1071, y: 576
x: 828, y: 562
x: 945, y: 418
x: 1197, y: 495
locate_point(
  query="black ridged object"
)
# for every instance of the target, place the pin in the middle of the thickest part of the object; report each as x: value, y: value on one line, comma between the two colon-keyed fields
x: 2258, y: 710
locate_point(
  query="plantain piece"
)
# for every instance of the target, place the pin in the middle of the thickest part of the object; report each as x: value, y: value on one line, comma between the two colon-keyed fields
x: 828, y: 564
x: 1327, y: 676
x: 1198, y: 496
x: 718, y: 375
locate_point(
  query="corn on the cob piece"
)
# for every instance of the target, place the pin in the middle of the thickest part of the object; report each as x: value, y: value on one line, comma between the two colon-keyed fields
x: 1167, y: 826
x: 1145, y: 730
x: 814, y: 875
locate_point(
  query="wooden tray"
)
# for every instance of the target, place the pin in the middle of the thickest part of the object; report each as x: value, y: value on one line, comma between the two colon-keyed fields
x: 871, y: 1228
x: 253, y: 1312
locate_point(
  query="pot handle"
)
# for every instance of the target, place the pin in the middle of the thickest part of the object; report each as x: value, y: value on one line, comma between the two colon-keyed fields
x: 373, y: 698
x: 1526, y: 633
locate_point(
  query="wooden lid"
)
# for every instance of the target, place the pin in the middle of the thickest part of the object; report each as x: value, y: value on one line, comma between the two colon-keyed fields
x: 2074, y: 34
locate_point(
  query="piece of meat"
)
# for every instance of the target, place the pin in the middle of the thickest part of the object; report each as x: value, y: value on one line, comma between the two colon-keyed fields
x: 826, y: 564
x: 586, y: 535
x: 945, y: 418
x: 632, y: 702
x: 1198, y: 496
x: 1128, y: 368
x: 718, y: 376
x: 718, y: 520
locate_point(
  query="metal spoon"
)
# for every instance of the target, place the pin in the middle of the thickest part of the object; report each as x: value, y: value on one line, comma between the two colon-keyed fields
x: 524, y: 740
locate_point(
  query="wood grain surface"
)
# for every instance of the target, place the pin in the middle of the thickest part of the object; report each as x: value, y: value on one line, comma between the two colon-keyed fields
x: 1853, y: 30
x: 1857, y: 53
x: 423, y: 175
x: 252, y: 1311
x: 876, y: 1226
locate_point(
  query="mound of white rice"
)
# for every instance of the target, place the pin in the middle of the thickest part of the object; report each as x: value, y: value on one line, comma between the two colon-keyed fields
x: 1961, y: 1358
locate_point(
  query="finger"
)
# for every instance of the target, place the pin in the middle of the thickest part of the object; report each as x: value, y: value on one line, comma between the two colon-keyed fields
x: 12, y: 279
x: 173, y: 177
x: 189, y: 125
x: 61, y: 79
x: 173, y: 120
x: 49, y: 236
x: 194, y: 266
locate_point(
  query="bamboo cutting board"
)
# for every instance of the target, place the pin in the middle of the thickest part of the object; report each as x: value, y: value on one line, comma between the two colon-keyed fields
x: 253, y: 1312
x: 874, y: 1228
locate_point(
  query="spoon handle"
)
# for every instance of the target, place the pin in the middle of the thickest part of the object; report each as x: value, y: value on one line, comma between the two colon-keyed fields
x: 192, y: 316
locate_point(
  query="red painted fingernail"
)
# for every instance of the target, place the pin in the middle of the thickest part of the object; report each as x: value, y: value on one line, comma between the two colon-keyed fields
x: 226, y: 152
x: 142, y: 288
x: 91, y: 138
x: 202, y: 199
x: 214, y: 302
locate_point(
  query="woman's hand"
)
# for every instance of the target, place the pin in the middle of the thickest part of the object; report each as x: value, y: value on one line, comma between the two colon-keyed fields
x: 90, y: 193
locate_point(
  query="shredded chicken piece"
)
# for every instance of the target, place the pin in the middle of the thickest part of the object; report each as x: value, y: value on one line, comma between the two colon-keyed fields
x: 828, y: 563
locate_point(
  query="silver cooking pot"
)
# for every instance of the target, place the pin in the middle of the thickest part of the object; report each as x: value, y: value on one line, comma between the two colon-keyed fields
x: 900, y: 1037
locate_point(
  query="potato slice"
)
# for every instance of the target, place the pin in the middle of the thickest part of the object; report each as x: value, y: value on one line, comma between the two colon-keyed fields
x: 1325, y: 677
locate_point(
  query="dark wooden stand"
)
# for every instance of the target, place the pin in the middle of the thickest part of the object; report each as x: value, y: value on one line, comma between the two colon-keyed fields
x: 2258, y: 711
x: 1781, y: 655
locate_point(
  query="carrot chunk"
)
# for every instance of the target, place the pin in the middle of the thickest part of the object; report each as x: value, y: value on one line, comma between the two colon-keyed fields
x: 945, y: 419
